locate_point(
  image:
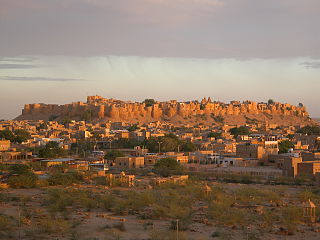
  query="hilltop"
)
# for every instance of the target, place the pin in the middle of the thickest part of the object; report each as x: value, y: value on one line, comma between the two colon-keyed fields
x: 207, y: 112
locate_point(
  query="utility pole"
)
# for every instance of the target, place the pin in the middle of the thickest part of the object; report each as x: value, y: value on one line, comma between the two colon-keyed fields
x: 110, y: 141
x: 177, y: 229
x: 159, y: 146
x: 19, y: 222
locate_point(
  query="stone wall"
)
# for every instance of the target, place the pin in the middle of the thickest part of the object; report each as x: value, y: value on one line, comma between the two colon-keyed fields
x: 99, y: 108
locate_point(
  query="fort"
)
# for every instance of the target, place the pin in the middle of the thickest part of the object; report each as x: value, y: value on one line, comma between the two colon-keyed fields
x: 98, y: 107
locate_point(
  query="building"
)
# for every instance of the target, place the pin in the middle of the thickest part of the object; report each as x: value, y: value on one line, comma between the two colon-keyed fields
x: 58, y: 161
x: 248, y: 150
x: 290, y: 166
x: 129, y: 162
x: 4, y: 145
x: 308, y: 168
x: 179, y: 180
x: 120, y: 179
x: 310, y: 156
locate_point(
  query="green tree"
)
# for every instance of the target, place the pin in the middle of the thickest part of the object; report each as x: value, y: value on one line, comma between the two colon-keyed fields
x: 21, y: 135
x: 23, y: 181
x: 21, y: 176
x: 285, y: 145
x: 310, y: 130
x: 42, y: 126
x: 133, y: 128
x: 7, y: 134
x: 168, y: 143
x: 52, y: 150
x: 214, y: 134
x: 168, y: 167
x: 19, y: 169
x: 188, y: 147
x: 149, y: 102
x: 113, y: 155
x: 270, y: 101
x: 239, y: 131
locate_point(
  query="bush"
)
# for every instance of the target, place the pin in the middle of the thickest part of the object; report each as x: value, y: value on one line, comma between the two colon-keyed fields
x: 23, y: 181
x: 4, y: 223
x: 19, y: 169
x: 168, y: 166
x: 52, y: 225
x: 239, y: 131
x: 58, y: 200
x: 65, y: 178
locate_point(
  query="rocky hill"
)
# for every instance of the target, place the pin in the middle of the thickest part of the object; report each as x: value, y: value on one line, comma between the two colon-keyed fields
x: 207, y: 112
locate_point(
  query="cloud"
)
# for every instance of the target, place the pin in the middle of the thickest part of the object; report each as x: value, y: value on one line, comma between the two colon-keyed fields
x: 311, y: 65
x: 17, y: 59
x: 49, y: 79
x: 161, y: 28
x: 17, y: 66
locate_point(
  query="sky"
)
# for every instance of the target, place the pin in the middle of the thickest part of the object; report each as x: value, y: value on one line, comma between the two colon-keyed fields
x: 60, y: 51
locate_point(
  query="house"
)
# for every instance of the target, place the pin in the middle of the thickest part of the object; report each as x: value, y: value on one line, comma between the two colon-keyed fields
x: 129, y: 162
x: 248, y: 150
x: 4, y: 145
x: 58, y: 161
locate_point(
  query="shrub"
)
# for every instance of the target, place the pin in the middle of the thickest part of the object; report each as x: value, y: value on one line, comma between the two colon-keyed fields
x: 52, y: 225
x: 23, y: 181
x: 65, y: 178
x: 4, y: 222
x: 168, y: 166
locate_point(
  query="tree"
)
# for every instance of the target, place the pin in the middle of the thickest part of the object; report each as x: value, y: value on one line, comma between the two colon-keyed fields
x: 214, y: 134
x: 23, y: 181
x: 21, y: 135
x: 188, y: 147
x: 7, y: 134
x: 285, y: 145
x: 42, y: 126
x: 21, y: 176
x: 168, y: 143
x: 239, y: 131
x: 19, y: 169
x: 113, y: 155
x: 270, y: 101
x: 149, y: 102
x: 52, y: 150
x: 133, y: 128
x: 310, y: 130
x: 168, y: 167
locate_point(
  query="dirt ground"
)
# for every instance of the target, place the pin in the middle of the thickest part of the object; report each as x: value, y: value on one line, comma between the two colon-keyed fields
x: 99, y: 224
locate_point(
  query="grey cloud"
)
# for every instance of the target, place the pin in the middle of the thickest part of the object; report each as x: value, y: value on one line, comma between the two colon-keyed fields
x: 17, y: 66
x: 161, y: 28
x: 14, y: 78
x: 311, y: 65
x: 17, y: 59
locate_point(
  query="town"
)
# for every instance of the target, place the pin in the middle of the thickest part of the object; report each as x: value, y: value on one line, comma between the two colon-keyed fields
x: 118, y: 173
